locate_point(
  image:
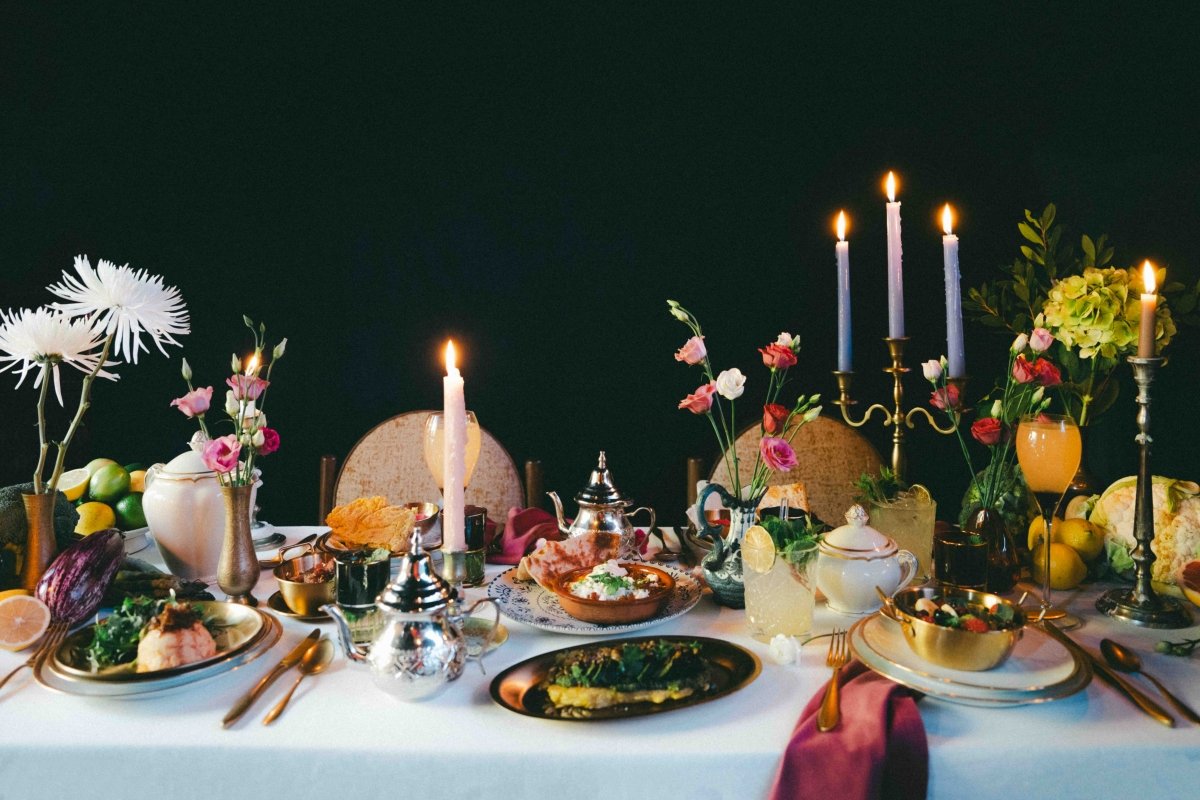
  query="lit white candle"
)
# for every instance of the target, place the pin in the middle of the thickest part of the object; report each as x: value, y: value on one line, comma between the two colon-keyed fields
x: 454, y: 455
x: 842, y: 249
x: 1149, y: 304
x: 955, y: 354
x: 895, y: 271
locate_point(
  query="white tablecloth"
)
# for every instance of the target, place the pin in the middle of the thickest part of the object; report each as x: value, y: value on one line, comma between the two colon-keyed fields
x: 343, y: 737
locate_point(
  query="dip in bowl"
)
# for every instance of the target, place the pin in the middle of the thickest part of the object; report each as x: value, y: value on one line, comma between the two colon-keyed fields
x: 614, y: 593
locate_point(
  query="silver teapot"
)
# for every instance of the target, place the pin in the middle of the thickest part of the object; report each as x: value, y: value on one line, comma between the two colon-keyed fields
x: 602, y: 509
x: 421, y: 646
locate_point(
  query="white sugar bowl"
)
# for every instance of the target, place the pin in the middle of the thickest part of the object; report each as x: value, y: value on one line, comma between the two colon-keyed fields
x: 854, y: 559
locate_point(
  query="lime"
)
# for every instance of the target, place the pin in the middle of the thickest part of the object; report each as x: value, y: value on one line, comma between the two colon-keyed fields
x: 95, y: 464
x: 94, y: 517
x: 137, y: 480
x: 758, y: 549
x: 109, y: 483
x: 129, y: 512
x: 135, y: 466
x: 73, y: 483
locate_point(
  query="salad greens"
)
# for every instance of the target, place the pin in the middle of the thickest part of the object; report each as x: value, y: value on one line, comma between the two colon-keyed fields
x: 796, y: 538
x: 116, y: 637
x: 880, y: 489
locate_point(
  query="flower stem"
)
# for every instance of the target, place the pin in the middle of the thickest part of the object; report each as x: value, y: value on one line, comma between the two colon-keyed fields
x: 85, y: 402
x: 39, y: 486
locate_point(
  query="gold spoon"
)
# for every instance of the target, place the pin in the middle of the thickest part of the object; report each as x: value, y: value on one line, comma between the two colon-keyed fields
x: 1126, y: 660
x: 315, y: 660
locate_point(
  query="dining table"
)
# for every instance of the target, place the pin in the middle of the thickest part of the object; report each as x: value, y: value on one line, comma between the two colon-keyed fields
x: 342, y: 736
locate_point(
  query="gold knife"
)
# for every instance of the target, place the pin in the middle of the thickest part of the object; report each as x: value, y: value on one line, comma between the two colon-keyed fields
x: 1132, y: 693
x: 287, y: 662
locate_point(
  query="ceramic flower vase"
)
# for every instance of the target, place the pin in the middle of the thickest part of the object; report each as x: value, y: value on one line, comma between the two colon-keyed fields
x: 723, y: 565
x: 40, y: 546
x: 237, y: 569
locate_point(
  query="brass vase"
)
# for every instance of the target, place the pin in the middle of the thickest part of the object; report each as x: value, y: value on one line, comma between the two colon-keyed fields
x: 40, y: 545
x: 237, y: 569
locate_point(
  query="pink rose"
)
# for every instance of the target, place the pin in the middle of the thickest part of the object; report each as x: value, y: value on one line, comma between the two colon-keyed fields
x: 692, y: 352
x: 701, y: 400
x: 195, y: 402
x: 270, y: 441
x: 777, y: 453
x: 987, y: 430
x: 945, y: 398
x: 776, y: 356
x: 774, y: 417
x: 247, y: 387
x: 221, y: 455
x: 1023, y: 370
x: 1040, y: 340
x: 1047, y: 374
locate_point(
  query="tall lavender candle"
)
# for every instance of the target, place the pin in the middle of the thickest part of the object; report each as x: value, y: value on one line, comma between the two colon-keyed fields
x: 955, y: 354
x: 842, y: 249
x: 895, y: 270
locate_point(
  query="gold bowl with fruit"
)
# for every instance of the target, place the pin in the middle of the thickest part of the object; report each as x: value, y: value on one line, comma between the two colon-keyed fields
x: 960, y: 629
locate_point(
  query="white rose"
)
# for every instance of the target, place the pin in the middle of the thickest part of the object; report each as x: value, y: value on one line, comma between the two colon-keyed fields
x: 258, y: 438
x: 784, y: 649
x: 231, y: 404
x: 789, y: 341
x: 931, y: 369
x: 731, y: 383
x: 1019, y: 344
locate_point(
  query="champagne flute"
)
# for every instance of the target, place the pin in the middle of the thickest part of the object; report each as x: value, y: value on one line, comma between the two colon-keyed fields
x: 1048, y: 450
x: 435, y: 437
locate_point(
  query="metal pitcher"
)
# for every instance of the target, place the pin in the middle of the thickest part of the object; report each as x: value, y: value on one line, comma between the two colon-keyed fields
x: 602, y: 509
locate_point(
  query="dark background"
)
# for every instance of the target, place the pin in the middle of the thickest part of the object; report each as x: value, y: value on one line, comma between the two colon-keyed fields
x: 537, y: 184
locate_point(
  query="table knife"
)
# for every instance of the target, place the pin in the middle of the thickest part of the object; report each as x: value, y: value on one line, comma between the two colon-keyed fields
x: 287, y: 662
x: 1100, y: 667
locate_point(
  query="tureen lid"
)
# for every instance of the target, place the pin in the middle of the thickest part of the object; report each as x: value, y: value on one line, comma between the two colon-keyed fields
x: 188, y: 462
x: 857, y: 537
x: 417, y: 587
x: 600, y: 489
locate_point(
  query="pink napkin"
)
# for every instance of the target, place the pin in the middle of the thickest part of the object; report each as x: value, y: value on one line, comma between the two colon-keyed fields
x: 878, y: 750
x: 520, y: 534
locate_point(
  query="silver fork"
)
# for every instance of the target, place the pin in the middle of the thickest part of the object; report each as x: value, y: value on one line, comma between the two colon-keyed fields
x: 830, y: 713
x: 52, y: 639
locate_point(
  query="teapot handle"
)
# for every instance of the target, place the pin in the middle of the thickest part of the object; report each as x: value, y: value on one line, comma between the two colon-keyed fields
x: 648, y: 510
x: 491, y: 637
x: 712, y: 532
x: 908, y: 568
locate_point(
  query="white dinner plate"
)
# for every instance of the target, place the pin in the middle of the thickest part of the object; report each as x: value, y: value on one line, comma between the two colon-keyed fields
x: 525, y: 601
x: 1040, y: 668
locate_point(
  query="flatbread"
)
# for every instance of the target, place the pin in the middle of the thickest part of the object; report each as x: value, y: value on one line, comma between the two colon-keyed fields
x: 796, y: 494
x: 553, y: 559
x: 369, y: 522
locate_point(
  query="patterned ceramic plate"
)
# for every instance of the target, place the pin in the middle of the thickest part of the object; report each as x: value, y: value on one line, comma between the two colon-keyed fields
x: 525, y: 601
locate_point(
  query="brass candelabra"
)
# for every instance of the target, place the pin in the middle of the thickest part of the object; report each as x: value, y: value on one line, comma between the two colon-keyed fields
x: 898, y: 417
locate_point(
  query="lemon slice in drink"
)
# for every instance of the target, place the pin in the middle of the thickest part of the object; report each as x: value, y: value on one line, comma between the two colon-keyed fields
x: 758, y: 549
x: 73, y: 483
x: 920, y: 494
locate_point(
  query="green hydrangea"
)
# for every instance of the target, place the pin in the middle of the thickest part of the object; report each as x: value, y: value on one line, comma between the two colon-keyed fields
x: 1098, y: 312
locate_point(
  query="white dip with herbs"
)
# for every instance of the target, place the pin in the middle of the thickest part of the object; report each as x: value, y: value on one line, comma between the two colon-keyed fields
x: 611, y: 581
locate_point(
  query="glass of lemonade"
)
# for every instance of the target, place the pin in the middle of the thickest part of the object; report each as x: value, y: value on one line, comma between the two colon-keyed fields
x: 780, y: 586
x: 909, y: 518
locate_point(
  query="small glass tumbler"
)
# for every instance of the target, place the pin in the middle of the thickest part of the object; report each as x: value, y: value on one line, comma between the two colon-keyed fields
x: 360, y: 576
x: 960, y: 559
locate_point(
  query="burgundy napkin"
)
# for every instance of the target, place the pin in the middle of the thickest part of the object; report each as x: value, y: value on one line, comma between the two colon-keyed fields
x: 522, y: 531
x: 878, y: 749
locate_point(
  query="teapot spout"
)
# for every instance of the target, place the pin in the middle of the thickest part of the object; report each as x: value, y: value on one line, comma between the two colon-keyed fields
x: 558, y: 510
x: 353, y: 651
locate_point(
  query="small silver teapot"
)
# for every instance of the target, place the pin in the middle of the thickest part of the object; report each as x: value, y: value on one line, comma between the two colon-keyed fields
x: 421, y: 646
x: 602, y: 509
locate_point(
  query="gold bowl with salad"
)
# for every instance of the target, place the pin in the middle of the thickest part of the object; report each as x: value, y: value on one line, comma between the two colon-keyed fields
x: 956, y: 628
x: 614, y: 593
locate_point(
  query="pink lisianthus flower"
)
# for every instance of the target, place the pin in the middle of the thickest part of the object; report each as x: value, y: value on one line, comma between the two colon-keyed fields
x: 195, y: 402
x: 1040, y: 340
x: 701, y: 400
x: 776, y: 356
x: 221, y: 455
x: 270, y: 441
x: 1023, y: 370
x: 693, y: 351
x: 247, y: 387
x: 945, y: 398
x: 987, y: 430
x: 777, y: 453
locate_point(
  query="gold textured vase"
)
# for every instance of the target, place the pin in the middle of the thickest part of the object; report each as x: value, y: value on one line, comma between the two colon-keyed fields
x: 40, y: 545
x: 237, y: 569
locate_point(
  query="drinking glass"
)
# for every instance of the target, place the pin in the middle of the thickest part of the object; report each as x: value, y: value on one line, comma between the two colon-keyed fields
x: 909, y: 518
x: 435, y: 437
x: 1048, y: 449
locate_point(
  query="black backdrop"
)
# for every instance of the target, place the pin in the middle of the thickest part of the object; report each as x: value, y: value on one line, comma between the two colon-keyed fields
x: 537, y: 184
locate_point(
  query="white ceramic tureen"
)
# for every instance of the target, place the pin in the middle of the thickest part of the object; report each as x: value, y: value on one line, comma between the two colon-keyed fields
x: 854, y: 559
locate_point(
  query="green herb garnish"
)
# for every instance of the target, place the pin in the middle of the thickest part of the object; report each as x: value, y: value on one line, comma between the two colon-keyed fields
x: 879, y: 490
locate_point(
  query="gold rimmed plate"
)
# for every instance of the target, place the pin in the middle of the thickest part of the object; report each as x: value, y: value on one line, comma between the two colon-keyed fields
x: 518, y: 687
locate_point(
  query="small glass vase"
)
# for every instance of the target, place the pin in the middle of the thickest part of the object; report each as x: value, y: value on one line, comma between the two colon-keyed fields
x: 1003, y: 562
x: 40, y: 545
x: 723, y: 565
x: 237, y: 569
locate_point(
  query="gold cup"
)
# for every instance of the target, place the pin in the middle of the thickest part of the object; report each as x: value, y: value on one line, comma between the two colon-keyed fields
x: 302, y: 597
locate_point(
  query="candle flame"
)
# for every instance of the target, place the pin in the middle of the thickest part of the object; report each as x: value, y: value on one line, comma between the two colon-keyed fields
x: 451, y: 361
x: 252, y: 364
x: 947, y: 219
x: 841, y: 226
x: 891, y: 187
x: 1148, y: 278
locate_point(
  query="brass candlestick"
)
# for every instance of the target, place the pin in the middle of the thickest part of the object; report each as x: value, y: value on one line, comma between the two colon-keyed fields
x: 1141, y: 605
x: 897, y: 414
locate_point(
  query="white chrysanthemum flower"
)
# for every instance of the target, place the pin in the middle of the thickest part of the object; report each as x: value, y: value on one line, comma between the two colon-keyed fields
x: 124, y: 302
x: 29, y: 339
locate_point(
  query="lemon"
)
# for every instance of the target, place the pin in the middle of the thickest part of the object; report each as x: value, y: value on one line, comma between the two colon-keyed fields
x: 1037, y: 531
x: 1081, y: 536
x: 95, y: 464
x: 758, y: 549
x: 14, y: 593
x: 1067, y: 569
x: 109, y: 484
x: 137, y: 480
x: 94, y: 517
x: 129, y: 512
x: 23, y: 620
x: 73, y: 483
x: 920, y: 494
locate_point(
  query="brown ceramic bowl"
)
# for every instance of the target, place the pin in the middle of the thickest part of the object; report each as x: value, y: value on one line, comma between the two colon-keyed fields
x: 614, y: 612
x: 952, y: 647
x: 304, y: 598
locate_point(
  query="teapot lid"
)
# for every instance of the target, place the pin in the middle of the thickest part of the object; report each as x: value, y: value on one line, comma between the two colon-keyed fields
x: 857, y: 538
x: 600, y: 489
x: 417, y: 587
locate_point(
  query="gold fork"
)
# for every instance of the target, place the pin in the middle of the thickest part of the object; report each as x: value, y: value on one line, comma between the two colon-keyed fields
x: 830, y: 714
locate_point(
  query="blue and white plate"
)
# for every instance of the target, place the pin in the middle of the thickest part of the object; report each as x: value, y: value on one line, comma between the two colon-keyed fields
x: 526, y: 602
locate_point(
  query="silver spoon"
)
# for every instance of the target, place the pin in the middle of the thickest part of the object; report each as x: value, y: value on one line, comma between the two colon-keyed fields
x: 1126, y: 660
x: 316, y: 659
